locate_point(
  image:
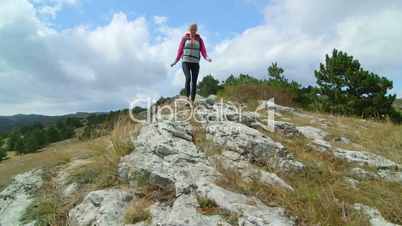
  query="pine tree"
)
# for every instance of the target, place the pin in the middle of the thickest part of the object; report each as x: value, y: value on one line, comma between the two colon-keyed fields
x: 3, y: 152
x: 52, y: 134
x: 352, y: 90
x: 275, y: 73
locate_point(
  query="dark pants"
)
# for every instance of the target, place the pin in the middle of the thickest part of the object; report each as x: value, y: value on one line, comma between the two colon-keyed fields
x: 191, y: 71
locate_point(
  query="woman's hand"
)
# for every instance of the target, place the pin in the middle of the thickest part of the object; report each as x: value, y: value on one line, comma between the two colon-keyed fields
x: 173, y: 64
x: 209, y: 60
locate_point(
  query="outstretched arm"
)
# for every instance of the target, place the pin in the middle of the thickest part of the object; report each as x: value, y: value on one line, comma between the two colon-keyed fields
x: 204, y: 50
x: 179, y: 51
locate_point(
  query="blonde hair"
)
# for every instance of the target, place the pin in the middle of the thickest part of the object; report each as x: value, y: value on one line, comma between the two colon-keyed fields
x: 193, y: 25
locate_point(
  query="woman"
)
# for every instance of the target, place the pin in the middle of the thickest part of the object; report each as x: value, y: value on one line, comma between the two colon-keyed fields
x: 190, y: 48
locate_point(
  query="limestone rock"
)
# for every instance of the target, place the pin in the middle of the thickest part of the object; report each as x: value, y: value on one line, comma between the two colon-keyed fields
x: 342, y: 140
x: 287, y: 129
x: 316, y: 135
x: 361, y: 174
x: 165, y: 156
x: 17, y: 196
x: 101, y: 208
x: 390, y: 175
x: 365, y: 158
x: 251, y: 210
x: 353, y: 183
x: 375, y: 217
x: 251, y: 144
x: 249, y: 172
x: 264, y: 104
x: 65, y: 187
x: 184, y: 212
x: 225, y: 112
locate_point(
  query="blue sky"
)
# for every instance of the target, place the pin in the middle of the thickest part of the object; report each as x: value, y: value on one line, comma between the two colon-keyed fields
x: 63, y: 56
x: 224, y: 17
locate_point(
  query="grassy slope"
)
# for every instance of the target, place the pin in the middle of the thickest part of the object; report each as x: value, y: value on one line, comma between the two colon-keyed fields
x: 53, y: 155
x: 383, y: 138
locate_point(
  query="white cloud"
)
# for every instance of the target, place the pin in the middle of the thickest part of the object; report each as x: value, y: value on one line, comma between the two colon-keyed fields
x: 298, y: 34
x: 160, y: 20
x: 50, y: 8
x: 43, y: 70
x: 80, y: 69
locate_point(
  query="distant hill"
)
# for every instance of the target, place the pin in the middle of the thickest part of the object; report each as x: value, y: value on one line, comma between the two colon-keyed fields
x: 7, y: 123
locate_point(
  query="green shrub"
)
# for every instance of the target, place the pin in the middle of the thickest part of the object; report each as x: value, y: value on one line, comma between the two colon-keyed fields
x: 251, y: 93
x: 209, y: 85
x: 242, y: 79
x: 206, y: 203
x: 395, y: 116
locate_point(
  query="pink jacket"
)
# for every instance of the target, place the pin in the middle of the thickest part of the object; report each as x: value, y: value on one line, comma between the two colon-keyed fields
x: 180, y: 51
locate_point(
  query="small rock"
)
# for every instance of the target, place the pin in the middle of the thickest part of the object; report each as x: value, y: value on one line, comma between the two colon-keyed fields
x: 365, y: 158
x: 375, y: 217
x: 211, y: 99
x: 352, y: 182
x: 390, y: 175
x: 316, y: 135
x: 265, y: 104
x: 101, y: 208
x: 70, y: 189
x: 287, y: 129
x: 361, y: 174
x: 342, y: 140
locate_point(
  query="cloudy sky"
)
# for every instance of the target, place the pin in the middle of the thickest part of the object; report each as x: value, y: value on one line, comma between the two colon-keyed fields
x: 63, y: 56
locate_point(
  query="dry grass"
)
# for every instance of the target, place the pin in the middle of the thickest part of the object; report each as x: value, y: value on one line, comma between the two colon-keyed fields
x: 50, y: 208
x: 380, y: 137
x: 385, y: 196
x: 209, y: 207
x: 53, y: 155
x: 138, y: 212
x: 321, y: 193
x: 383, y: 138
x: 314, y: 201
x: 138, y: 209
x: 200, y: 140
x: 125, y: 130
x: 101, y: 172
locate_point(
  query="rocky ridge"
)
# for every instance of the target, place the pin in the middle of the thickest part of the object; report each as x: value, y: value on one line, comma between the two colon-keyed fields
x: 167, y: 157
